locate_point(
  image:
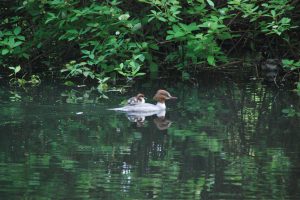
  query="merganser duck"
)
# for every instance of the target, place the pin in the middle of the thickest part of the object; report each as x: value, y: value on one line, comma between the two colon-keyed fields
x: 140, y: 98
x: 161, y: 96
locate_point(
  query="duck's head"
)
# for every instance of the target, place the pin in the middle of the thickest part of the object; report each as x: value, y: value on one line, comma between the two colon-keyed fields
x: 163, y: 95
x: 140, y: 96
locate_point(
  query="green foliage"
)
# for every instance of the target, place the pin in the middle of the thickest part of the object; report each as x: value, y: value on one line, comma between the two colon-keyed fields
x: 291, y: 112
x: 102, y: 84
x: 34, y: 80
x: 130, y: 68
x: 164, y: 11
x: 103, y: 32
x: 291, y: 64
x: 15, y: 70
x: 98, y: 39
x: 10, y: 42
x: 271, y: 15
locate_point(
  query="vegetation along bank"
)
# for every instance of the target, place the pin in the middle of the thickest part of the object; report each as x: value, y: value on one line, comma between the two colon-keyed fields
x: 110, y: 40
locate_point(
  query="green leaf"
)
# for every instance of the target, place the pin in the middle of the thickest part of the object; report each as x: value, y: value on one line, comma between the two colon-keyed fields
x: 4, y: 51
x: 140, y: 74
x: 20, y: 37
x: 72, y: 31
x: 169, y: 37
x: 85, y: 51
x: 162, y: 19
x: 211, y: 60
x: 287, y: 62
x: 25, y: 55
x: 17, y: 69
x: 124, y: 17
x: 273, y: 13
x: 92, y: 56
x: 17, y: 43
x: 154, y: 46
x: 69, y: 83
x: 11, y: 42
x: 86, y: 74
x: 285, y: 20
x: 137, y: 27
x: 141, y: 57
x: 211, y: 3
x: 17, y: 30
x: 179, y: 34
x: 185, y: 75
x: 51, y: 16
x: 176, y: 28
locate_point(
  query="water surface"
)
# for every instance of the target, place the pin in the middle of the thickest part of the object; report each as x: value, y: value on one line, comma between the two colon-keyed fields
x: 218, y: 140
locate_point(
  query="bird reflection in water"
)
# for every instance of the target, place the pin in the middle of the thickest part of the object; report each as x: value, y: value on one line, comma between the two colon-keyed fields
x: 160, y: 121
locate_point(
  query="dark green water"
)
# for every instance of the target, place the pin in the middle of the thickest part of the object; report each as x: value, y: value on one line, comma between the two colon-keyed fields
x: 218, y: 140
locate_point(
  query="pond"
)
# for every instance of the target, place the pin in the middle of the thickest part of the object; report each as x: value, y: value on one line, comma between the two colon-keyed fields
x: 221, y: 139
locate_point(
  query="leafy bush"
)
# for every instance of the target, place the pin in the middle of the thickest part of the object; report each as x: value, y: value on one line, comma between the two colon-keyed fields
x: 99, y: 39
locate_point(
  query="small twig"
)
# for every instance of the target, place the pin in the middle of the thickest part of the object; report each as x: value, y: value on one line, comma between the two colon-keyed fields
x: 233, y: 19
x: 256, y: 70
x: 275, y: 81
x: 289, y: 72
x: 234, y: 46
x: 227, y: 64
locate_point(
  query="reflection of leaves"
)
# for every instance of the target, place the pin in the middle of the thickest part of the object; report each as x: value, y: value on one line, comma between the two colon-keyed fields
x: 87, y: 96
x: 201, y: 141
x: 15, y: 96
x: 68, y: 164
x: 279, y: 162
x: 291, y: 112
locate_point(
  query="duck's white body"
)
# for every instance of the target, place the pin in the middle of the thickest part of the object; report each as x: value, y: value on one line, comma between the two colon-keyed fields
x: 142, y: 107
